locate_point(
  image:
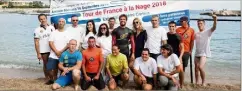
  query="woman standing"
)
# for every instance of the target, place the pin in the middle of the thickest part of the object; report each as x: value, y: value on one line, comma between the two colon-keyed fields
x: 140, y: 37
x: 90, y: 31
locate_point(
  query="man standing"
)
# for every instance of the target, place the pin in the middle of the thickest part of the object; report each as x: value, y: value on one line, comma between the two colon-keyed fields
x: 202, y: 39
x: 156, y: 36
x: 111, y: 23
x: 117, y: 68
x: 41, y: 41
x: 70, y: 64
x: 145, y: 70
x: 75, y: 32
x: 122, y: 36
x: 58, y: 43
x: 187, y: 34
x: 175, y: 40
x: 92, y: 66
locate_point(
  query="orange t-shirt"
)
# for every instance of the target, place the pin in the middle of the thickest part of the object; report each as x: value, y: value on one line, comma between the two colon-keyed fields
x: 92, y: 59
x: 187, y: 37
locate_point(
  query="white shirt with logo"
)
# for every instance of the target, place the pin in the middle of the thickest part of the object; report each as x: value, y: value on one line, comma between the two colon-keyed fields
x: 60, y: 40
x: 154, y: 37
x: 43, y: 36
x: 168, y: 64
x: 147, y: 68
x: 105, y: 44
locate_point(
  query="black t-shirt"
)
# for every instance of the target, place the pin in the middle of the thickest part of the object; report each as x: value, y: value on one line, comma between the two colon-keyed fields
x: 122, y: 38
x: 139, y: 42
x: 174, y: 40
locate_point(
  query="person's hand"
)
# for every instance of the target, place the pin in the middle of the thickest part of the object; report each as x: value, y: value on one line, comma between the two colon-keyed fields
x: 126, y: 75
x: 214, y: 17
x: 87, y: 78
x: 39, y: 56
x: 66, y: 70
x: 96, y: 77
x: 58, y: 54
x: 143, y: 79
x: 132, y: 57
x: 111, y: 81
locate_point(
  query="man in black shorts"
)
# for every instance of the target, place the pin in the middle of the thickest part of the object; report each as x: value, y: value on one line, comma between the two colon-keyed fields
x: 122, y: 36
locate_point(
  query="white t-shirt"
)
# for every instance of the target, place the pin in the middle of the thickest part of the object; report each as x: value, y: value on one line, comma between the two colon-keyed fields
x: 43, y: 36
x: 85, y: 39
x: 106, y: 44
x: 147, y: 68
x: 202, y: 43
x: 76, y: 33
x: 60, y: 40
x: 168, y: 64
x: 155, y: 35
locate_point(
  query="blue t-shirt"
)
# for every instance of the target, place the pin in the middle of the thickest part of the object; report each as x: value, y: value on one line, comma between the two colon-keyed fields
x: 70, y: 60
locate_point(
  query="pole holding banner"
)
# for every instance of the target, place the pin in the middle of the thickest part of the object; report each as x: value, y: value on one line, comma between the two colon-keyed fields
x: 191, y: 68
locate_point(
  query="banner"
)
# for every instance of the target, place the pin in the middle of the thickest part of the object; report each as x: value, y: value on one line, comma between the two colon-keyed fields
x: 101, y: 11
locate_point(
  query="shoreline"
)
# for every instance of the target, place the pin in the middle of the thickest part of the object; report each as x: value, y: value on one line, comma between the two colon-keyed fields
x: 20, y: 79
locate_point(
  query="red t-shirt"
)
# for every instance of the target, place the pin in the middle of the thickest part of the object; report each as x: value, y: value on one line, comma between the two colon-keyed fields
x: 92, y: 59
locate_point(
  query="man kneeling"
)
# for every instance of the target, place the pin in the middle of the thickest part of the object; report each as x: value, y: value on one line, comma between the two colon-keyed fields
x: 145, y: 70
x: 117, y: 68
x: 69, y: 63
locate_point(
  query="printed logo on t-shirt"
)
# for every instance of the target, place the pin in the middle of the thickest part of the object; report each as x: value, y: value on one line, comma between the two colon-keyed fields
x: 91, y: 59
x: 41, y: 31
x: 185, y: 36
x: 123, y: 36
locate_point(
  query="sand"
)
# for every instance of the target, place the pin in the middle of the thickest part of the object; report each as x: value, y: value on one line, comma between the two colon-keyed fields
x: 19, y: 79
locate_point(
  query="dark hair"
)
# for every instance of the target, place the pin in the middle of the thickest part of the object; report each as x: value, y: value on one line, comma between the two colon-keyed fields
x: 74, y: 16
x: 91, y: 37
x: 146, y: 49
x: 116, y: 46
x: 172, y: 22
x: 99, y: 34
x: 201, y: 20
x: 94, y: 28
x: 42, y: 15
x: 111, y: 18
x: 123, y: 15
x: 167, y: 47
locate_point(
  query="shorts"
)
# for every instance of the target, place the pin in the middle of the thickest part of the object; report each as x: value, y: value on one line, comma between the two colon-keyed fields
x: 99, y: 84
x: 65, y: 80
x: 154, y: 56
x: 117, y: 79
x: 52, y: 64
x: 149, y: 80
x: 45, y: 57
x: 185, y: 59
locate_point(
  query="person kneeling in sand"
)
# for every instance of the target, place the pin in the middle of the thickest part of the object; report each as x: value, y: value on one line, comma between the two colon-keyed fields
x: 145, y: 70
x: 70, y: 64
x: 117, y: 68
x: 168, y: 67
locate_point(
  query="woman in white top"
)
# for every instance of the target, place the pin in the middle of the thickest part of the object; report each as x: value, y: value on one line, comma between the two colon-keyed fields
x: 90, y: 31
x: 202, y: 40
x: 169, y: 66
x: 104, y: 41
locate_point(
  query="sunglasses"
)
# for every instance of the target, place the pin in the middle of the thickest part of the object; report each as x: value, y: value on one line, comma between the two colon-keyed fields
x: 74, y: 20
x: 135, y: 22
x: 171, y: 26
x: 103, y: 28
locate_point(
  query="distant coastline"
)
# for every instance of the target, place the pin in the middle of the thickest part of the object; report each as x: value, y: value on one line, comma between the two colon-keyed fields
x: 30, y: 11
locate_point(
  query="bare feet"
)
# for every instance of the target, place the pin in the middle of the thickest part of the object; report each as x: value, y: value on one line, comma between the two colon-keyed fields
x: 76, y: 87
x: 204, y: 85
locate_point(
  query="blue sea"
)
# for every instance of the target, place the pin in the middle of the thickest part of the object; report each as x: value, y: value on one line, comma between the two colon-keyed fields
x: 17, y: 44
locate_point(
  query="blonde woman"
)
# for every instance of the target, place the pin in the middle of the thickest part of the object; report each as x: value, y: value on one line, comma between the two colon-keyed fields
x: 140, y: 36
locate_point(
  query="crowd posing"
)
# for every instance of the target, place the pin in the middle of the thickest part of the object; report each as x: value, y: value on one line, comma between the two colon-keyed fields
x: 86, y: 57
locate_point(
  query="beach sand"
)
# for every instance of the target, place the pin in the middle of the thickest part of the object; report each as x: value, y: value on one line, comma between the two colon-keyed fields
x: 22, y: 79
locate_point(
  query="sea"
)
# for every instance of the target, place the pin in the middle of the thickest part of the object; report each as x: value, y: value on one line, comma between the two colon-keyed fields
x: 17, y: 43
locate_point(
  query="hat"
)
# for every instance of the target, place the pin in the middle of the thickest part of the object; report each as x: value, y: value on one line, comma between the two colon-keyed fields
x: 184, y: 18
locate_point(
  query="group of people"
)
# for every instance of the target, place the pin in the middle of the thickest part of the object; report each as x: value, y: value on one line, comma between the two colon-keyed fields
x: 86, y: 57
